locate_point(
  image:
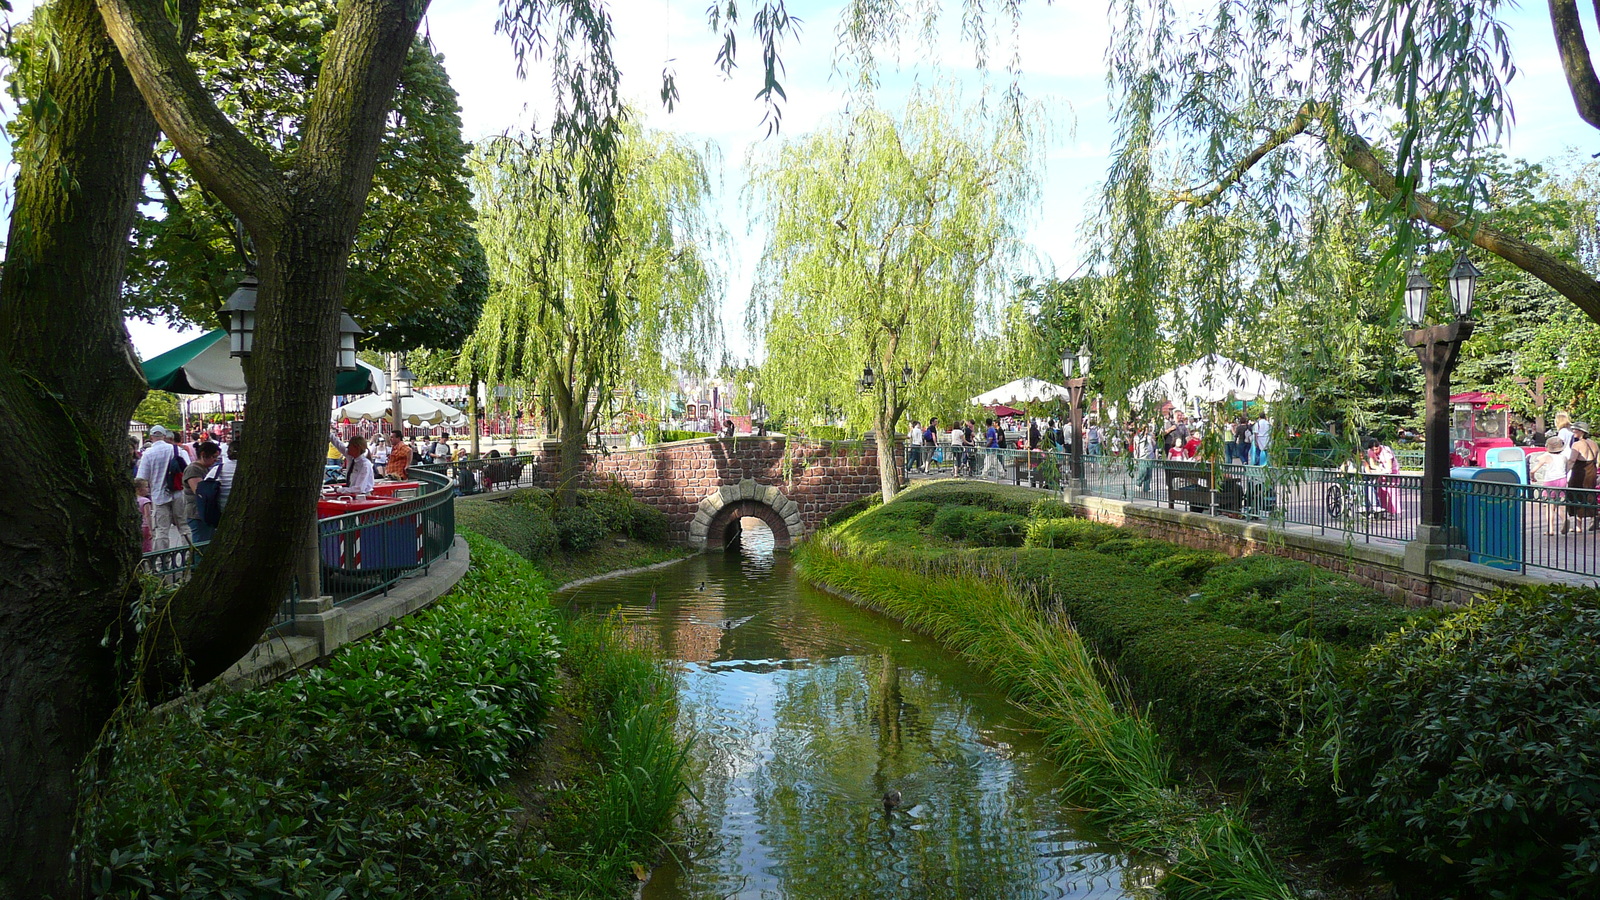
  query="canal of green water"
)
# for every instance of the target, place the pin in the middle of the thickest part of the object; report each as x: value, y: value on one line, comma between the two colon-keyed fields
x: 804, y: 711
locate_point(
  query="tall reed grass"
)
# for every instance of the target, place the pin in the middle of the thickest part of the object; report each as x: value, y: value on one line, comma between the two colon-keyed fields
x: 1111, y: 754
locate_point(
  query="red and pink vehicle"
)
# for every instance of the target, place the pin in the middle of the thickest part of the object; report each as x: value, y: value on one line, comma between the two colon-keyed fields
x: 1478, y: 424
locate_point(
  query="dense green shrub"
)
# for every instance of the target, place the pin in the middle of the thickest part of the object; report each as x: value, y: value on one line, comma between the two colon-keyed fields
x: 1264, y: 575
x: 254, y: 796
x: 527, y: 520
x: 980, y: 527
x: 613, y: 507
x: 998, y: 529
x: 954, y: 521
x: 647, y: 524
x: 999, y: 497
x: 371, y: 774
x: 1050, y: 508
x: 1186, y: 568
x: 1473, y: 749
x: 384, y: 773
x: 1281, y: 596
x: 1214, y: 689
x: 580, y: 529
x: 523, y: 525
x: 1069, y: 532
x: 1138, y: 550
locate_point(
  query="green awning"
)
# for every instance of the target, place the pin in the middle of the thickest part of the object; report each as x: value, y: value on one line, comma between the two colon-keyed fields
x: 203, y: 366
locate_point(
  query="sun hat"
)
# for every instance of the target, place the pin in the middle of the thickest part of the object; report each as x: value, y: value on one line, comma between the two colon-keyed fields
x: 1581, y: 426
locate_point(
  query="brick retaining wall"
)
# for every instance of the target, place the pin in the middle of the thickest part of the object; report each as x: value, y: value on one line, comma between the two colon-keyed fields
x: 682, y: 477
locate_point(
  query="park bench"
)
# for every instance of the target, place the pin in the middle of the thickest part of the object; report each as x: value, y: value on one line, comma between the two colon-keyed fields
x: 1191, y: 483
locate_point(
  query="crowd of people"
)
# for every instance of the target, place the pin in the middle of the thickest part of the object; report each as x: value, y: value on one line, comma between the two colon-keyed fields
x: 355, y: 465
x: 1568, y: 460
x: 170, y: 475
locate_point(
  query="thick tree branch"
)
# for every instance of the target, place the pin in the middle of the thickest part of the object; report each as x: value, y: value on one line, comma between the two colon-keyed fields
x: 1575, y: 61
x: 355, y: 91
x: 1357, y: 155
x: 223, y: 158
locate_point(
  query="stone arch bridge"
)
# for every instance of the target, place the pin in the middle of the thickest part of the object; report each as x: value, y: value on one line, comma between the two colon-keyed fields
x: 707, y: 485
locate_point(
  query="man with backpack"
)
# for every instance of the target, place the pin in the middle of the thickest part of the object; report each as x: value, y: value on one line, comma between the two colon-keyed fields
x: 162, y: 467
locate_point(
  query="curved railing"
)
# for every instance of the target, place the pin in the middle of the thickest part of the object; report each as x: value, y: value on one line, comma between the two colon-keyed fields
x: 363, y: 553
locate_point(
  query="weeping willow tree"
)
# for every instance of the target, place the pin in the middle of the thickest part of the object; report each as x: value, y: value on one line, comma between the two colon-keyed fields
x: 1243, y: 133
x: 888, y: 243
x: 574, y: 315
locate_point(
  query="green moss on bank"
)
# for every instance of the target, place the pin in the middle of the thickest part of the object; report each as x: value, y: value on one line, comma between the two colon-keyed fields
x: 405, y: 765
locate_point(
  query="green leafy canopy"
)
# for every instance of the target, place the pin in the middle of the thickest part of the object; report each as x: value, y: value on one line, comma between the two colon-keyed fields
x: 890, y: 241
x: 573, y: 314
x: 416, y: 274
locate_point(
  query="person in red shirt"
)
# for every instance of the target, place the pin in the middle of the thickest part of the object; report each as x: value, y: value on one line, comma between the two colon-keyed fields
x: 399, y: 457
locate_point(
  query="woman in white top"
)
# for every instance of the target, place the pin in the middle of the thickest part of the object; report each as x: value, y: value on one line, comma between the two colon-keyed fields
x: 361, y: 478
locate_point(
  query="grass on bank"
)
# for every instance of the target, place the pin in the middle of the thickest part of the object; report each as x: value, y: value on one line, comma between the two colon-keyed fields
x: 483, y: 748
x: 1456, y: 751
x: 607, y: 531
x: 1113, y: 756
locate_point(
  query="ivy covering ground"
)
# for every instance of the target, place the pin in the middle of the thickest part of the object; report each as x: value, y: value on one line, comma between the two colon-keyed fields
x: 406, y: 766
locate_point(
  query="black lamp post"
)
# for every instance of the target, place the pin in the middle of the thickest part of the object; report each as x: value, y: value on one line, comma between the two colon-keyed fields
x: 867, y: 380
x: 1438, y: 349
x: 1075, y: 389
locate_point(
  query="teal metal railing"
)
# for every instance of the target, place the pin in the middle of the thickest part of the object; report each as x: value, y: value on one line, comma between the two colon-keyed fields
x: 363, y: 553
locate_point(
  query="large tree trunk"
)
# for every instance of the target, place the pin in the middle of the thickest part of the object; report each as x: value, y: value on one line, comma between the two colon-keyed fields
x: 68, y: 383
x: 303, y: 218
x: 569, y: 415
x: 888, y: 469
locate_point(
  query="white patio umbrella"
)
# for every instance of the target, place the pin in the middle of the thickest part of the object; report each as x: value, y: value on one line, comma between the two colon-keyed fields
x: 1210, y: 379
x: 1023, y: 390
x: 415, y: 410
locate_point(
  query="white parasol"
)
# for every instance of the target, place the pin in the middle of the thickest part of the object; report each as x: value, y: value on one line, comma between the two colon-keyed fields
x: 1023, y: 390
x: 414, y: 410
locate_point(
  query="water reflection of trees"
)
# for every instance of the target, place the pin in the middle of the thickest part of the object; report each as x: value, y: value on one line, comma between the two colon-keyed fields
x: 962, y: 830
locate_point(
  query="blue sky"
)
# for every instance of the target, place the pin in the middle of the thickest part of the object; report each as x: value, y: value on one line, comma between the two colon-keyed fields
x: 1062, y: 51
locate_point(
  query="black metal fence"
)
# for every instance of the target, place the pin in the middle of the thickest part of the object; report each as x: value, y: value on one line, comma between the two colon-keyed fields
x: 1522, y: 527
x: 486, y: 474
x: 365, y: 553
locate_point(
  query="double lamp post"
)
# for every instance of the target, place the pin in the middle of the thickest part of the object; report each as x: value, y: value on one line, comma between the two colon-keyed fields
x: 1438, y: 349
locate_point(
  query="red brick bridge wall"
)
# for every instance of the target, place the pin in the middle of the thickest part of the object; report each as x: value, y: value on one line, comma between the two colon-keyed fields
x: 706, y: 484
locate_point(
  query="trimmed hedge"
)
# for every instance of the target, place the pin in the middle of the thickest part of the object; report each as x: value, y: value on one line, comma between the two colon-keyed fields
x: 998, y: 497
x: 980, y: 527
x: 1280, y: 596
x: 1458, y: 750
x: 385, y: 772
x: 1213, y: 688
